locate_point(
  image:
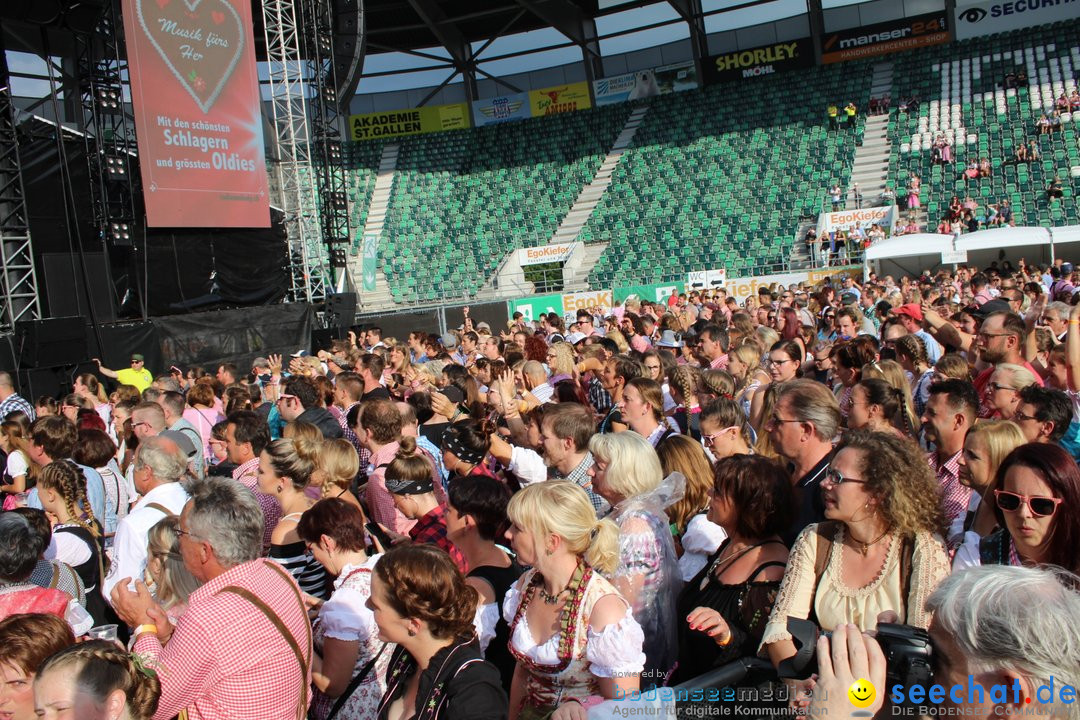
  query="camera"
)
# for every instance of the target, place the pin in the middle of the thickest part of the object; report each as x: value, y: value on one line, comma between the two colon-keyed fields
x: 907, y: 650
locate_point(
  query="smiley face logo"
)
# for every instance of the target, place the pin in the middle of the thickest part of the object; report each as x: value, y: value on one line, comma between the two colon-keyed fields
x: 862, y: 693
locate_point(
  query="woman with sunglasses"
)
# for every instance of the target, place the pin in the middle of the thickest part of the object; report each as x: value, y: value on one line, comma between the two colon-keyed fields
x: 1038, y: 491
x: 879, y: 550
x: 725, y: 430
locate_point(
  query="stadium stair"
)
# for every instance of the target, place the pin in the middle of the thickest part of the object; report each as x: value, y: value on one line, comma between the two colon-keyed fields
x: 586, y: 202
x: 870, y: 170
x: 374, y: 217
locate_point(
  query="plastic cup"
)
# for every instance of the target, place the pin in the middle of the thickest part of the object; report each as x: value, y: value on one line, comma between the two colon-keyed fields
x: 103, y: 632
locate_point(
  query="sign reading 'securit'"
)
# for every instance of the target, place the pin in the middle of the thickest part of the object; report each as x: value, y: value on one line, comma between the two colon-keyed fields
x: 758, y: 61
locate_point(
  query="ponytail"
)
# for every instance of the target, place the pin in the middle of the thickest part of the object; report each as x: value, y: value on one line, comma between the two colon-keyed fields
x: 603, y: 552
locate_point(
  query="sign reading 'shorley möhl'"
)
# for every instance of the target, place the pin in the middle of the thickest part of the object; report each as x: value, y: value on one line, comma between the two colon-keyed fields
x: 758, y: 61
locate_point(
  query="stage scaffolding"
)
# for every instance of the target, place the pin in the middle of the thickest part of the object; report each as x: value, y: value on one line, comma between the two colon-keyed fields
x: 18, y: 280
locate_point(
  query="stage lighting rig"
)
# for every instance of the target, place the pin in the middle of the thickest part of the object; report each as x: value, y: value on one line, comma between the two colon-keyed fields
x: 120, y: 232
x: 116, y: 168
x: 109, y: 99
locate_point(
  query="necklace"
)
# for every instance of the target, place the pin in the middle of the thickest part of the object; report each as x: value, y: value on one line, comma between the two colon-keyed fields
x: 864, y: 547
x: 548, y: 598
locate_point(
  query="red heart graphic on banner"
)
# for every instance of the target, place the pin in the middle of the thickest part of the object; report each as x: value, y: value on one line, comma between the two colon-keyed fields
x: 201, y: 56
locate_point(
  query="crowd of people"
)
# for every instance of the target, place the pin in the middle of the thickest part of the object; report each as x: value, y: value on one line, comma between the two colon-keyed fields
x: 527, y: 521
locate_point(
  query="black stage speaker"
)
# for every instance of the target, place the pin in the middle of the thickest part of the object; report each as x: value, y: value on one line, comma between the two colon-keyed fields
x: 51, y: 381
x: 51, y: 343
x: 340, y: 309
x: 350, y: 35
x: 323, y: 338
x: 66, y: 290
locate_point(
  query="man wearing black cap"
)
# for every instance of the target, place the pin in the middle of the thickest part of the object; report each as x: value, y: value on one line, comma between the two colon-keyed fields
x: 136, y: 375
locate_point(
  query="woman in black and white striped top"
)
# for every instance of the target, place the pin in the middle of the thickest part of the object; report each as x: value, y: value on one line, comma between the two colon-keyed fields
x: 283, y: 474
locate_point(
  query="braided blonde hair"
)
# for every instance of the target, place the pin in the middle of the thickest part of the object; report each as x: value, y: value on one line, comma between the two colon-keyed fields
x: 68, y: 481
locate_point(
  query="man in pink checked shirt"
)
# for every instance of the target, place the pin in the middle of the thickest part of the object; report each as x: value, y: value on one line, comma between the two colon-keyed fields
x: 242, y: 650
x: 246, y: 435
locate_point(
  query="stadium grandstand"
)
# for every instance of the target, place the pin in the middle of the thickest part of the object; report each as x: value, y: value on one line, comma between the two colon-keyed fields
x: 499, y: 150
x: 723, y: 163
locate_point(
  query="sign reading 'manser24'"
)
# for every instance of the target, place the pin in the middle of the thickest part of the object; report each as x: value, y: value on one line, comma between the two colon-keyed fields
x: 866, y: 41
x: 758, y: 61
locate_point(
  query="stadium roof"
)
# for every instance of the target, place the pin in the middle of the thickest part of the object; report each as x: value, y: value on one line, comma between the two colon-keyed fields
x: 409, y: 24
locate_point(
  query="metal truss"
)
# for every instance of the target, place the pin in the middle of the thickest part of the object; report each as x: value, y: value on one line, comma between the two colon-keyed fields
x: 326, y: 149
x: 289, y: 89
x: 109, y: 129
x: 18, y: 282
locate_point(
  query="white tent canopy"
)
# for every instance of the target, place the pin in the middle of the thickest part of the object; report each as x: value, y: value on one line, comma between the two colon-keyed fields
x: 909, y: 246
x: 1011, y: 237
x: 911, y: 254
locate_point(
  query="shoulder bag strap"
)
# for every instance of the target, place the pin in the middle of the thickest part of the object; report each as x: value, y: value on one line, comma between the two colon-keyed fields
x: 907, y: 551
x: 281, y: 628
x: 160, y: 508
x: 355, y: 683
x: 55, y: 577
x: 826, y: 531
x: 824, y: 535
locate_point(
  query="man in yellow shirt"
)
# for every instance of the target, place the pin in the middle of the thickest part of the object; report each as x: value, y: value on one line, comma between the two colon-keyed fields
x: 136, y: 375
x: 833, y: 112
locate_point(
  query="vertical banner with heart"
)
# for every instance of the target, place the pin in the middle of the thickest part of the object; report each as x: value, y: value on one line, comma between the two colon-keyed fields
x: 197, y: 112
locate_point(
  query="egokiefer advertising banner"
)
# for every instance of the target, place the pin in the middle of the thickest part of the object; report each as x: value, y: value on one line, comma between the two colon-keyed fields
x: 885, y: 216
x: 984, y: 18
x: 758, y: 61
x: 564, y: 98
x: 545, y: 254
x: 400, y: 123
x: 501, y: 109
x: 197, y: 112
x: 883, y: 38
x: 645, y: 83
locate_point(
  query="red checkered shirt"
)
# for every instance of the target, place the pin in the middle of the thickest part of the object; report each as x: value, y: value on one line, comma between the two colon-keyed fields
x: 431, y: 529
x: 954, y: 496
x: 379, y: 500
x: 247, y: 475
x: 719, y: 363
x: 226, y: 660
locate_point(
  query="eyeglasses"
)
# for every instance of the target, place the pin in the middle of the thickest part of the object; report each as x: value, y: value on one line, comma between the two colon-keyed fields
x: 991, y: 335
x: 998, y: 386
x: 181, y: 532
x: 773, y: 420
x: 1039, y: 506
x: 1023, y: 416
x: 833, y: 476
x: 287, y: 398
x: 135, y: 425
x: 769, y: 362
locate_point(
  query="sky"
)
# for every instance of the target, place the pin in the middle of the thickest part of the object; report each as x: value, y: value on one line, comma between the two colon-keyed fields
x: 413, y: 75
